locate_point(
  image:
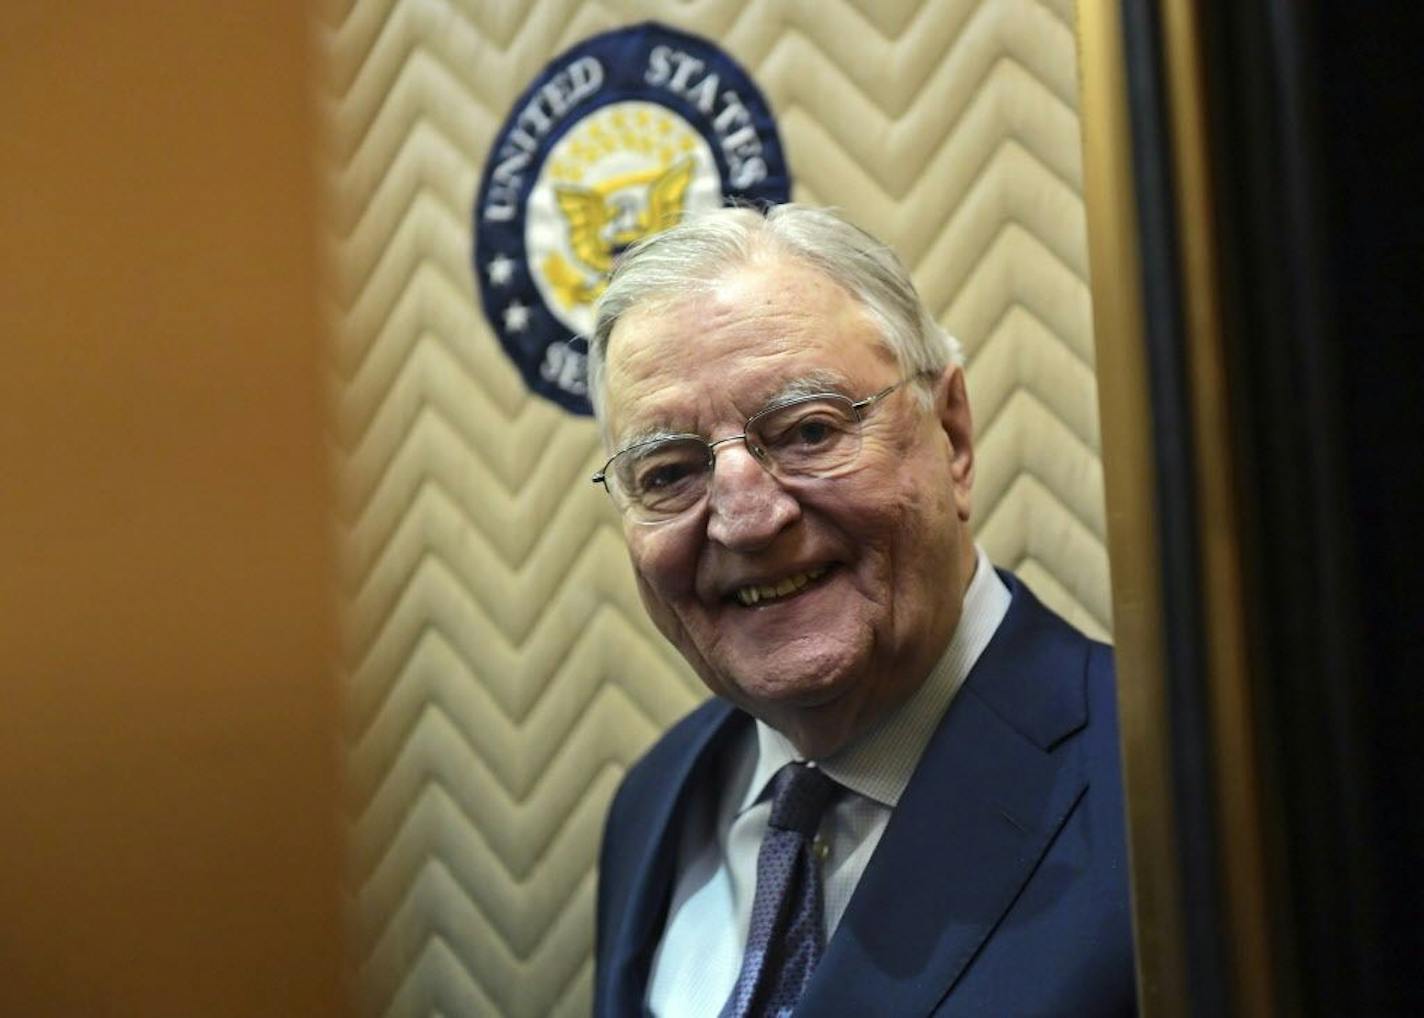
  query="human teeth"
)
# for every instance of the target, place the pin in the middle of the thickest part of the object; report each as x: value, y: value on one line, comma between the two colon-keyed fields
x: 757, y: 592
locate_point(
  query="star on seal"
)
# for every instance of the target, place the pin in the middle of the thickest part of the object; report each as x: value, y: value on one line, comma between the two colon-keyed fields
x: 516, y: 317
x: 500, y: 269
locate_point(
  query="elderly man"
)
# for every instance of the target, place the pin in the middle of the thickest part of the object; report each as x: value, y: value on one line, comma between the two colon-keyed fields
x: 904, y: 798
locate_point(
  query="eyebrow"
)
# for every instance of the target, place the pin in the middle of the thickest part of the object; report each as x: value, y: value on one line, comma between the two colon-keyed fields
x: 651, y: 434
x: 812, y: 383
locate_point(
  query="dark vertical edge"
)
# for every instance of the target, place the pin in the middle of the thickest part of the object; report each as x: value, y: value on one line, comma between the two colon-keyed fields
x: 1370, y: 96
x: 1191, y: 746
x: 1293, y: 114
x: 1275, y: 308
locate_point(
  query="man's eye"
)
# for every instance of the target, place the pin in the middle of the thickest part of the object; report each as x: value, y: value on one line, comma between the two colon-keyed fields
x: 813, y: 431
x: 662, y: 476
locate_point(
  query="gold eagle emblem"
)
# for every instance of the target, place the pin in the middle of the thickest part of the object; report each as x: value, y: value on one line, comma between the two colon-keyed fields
x: 604, y: 219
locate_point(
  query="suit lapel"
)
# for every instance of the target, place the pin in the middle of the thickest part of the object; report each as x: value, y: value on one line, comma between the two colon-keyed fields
x: 685, y: 782
x: 995, y: 785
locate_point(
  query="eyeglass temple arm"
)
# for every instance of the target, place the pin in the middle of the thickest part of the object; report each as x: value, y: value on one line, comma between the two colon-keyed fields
x: 870, y: 401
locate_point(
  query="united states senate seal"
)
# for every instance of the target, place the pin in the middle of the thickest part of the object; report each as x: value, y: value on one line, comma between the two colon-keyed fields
x: 618, y: 137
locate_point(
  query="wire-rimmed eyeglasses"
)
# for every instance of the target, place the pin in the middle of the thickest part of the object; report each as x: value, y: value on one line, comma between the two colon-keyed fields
x: 816, y: 435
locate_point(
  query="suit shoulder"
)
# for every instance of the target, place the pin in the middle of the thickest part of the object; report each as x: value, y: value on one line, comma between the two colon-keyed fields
x: 674, y: 751
x: 1100, y: 675
x: 1065, y: 641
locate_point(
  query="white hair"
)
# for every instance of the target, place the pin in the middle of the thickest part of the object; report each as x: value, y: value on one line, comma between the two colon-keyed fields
x: 685, y: 260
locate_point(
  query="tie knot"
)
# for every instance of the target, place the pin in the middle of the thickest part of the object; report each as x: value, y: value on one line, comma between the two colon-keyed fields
x: 799, y: 795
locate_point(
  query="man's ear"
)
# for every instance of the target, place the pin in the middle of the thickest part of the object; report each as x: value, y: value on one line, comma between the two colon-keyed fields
x: 952, y: 407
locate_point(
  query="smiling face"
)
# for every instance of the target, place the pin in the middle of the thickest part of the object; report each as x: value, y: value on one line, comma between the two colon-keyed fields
x: 814, y: 604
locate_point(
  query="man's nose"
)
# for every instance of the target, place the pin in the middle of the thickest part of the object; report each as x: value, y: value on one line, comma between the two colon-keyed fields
x: 746, y: 506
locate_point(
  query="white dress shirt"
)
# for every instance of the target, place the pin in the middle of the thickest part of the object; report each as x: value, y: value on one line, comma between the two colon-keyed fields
x: 700, y: 953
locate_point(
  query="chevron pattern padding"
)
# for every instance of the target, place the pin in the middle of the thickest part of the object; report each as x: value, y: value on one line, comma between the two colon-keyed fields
x: 500, y: 671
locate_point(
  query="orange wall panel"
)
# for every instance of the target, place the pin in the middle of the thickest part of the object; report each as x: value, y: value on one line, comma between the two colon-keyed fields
x: 169, y: 745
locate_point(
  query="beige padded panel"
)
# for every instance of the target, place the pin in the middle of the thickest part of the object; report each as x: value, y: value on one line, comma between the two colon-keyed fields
x: 501, y: 673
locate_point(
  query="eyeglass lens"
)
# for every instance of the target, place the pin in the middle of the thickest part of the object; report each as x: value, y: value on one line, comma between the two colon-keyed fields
x: 806, y: 438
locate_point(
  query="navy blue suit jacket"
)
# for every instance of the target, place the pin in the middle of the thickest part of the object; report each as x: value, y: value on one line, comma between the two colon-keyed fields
x: 1000, y: 885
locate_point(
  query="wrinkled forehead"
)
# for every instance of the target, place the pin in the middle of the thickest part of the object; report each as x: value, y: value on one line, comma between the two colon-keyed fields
x: 733, y: 344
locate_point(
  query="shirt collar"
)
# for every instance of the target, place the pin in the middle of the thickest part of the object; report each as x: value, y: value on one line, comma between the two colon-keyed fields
x: 878, y: 765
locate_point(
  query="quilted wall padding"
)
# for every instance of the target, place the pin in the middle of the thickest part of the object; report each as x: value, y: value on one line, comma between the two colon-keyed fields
x: 500, y: 671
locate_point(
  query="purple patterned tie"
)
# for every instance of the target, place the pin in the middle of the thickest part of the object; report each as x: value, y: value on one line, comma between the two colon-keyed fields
x: 784, y: 942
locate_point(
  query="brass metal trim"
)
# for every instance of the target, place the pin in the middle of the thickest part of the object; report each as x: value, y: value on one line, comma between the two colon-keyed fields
x: 1129, y: 473
x: 1236, y: 782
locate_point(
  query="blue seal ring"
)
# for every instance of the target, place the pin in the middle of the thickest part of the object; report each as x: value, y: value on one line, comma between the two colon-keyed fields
x: 649, y: 89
